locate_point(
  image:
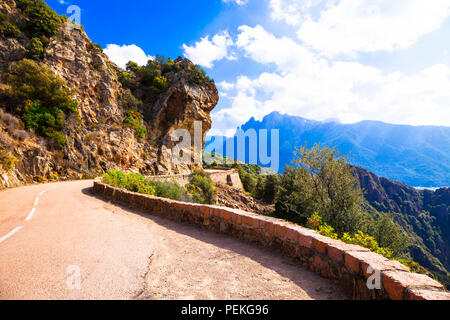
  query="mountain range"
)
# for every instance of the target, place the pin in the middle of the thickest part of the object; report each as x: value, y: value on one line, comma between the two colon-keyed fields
x: 414, y: 155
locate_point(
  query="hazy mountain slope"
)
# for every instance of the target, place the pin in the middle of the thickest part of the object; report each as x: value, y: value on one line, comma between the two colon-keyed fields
x: 417, y: 156
x: 423, y: 214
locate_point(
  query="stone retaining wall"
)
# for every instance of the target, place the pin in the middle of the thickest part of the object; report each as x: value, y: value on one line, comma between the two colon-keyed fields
x: 226, y: 176
x: 229, y: 176
x: 350, y: 266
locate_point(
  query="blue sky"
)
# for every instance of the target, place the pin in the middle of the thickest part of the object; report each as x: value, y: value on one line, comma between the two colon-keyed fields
x: 344, y: 59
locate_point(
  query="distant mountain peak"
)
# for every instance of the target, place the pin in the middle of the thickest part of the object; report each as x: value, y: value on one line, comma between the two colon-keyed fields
x: 415, y: 155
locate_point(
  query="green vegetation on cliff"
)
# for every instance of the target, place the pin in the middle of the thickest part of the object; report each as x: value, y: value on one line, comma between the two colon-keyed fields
x: 41, y: 98
x: 40, y: 25
x: 147, y: 83
x: 42, y: 22
x: 7, y: 161
x: 133, y: 119
x: 320, y: 184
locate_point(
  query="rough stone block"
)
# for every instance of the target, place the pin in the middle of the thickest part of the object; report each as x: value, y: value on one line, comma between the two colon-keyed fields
x: 321, y: 243
x: 424, y: 294
x: 305, y: 240
x: 395, y: 283
x: 292, y: 233
x: 247, y: 220
x: 336, y: 250
x: 226, y: 215
x: 356, y: 259
x: 320, y: 266
x: 280, y: 230
x: 218, y: 212
x: 236, y: 218
x: 256, y: 222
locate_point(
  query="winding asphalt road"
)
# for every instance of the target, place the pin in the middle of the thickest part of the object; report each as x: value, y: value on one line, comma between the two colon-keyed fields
x: 58, y: 241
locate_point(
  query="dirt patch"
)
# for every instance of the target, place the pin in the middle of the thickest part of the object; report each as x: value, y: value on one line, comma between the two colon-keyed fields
x: 237, y: 199
x: 191, y: 263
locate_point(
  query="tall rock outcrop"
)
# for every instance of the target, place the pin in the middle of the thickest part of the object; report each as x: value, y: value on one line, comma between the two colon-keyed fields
x: 97, y: 139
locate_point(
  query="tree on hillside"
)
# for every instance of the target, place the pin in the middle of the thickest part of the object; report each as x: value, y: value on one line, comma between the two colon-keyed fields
x: 320, y: 181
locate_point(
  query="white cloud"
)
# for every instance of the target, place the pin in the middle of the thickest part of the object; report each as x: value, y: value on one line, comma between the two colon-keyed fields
x: 286, y: 10
x: 349, y: 26
x: 205, y: 52
x: 310, y: 86
x: 291, y: 12
x: 226, y: 86
x: 264, y: 47
x: 244, y: 107
x: 121, y: 55
x: 238, y: 2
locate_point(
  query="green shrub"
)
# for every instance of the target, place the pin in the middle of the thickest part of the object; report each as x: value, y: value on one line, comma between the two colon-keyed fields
x: 133, y: 119
x: 197, y: 76
x: 316, y: 222
x: 129, y: 102
x: 248, y: 180
x: 54, y: 176
x: 369, y: 242
x: 42, y: 20
x: 321, y: 181
x: 171, y: 190
x: 128, y: 81
x: 115, y: 178
x: 132, y: 182
x: 41, y: 98
x: 414, y: 266
x: 4, y: 19
x: 43, y: 120
x: 39, y: 179
x: 202, y: 187
x: 138, y: 183
x: 11, y: 31
x: 388, y: 234
x: 267, y: 189
x: 7, y: 160
x: 59, y: 138
x: 35, y: 81
x: 36, y: 49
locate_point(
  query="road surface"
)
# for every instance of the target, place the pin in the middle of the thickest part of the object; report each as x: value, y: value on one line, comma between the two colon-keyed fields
x: 59, y: 241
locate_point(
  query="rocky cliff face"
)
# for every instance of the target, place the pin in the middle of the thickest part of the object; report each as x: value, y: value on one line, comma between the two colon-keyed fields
x: 96, y: 140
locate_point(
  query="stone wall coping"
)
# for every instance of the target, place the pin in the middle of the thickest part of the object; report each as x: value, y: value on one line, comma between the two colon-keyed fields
x: 350, y: 265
